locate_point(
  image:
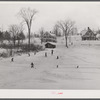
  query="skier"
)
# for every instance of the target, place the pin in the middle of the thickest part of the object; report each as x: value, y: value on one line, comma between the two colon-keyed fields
x: 32, y: 65
x: 12, y: 59
x: 57, y: 57
x: 57, y: 66
x: 77, y: 66
x: 51, y: 52
x: 45, y: 54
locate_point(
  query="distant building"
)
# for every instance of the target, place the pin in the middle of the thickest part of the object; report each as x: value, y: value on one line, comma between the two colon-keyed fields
x: 89, y: 35
x: 49, y: 37
x: 50, y: 45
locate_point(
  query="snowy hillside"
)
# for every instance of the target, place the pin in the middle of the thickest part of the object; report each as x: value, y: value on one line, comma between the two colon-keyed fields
x: 46, y: 75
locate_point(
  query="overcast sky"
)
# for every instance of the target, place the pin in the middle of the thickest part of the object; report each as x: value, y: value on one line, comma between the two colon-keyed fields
x: 83, y: 13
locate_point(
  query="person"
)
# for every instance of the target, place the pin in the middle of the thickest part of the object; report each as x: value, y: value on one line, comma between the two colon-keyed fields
x: 57, y: 66
x: 32, y: 65
x: 77, y: 66
x: 51, y: 52
x: 12, y: 59
x: 57, y: 57
x: 45, y: 54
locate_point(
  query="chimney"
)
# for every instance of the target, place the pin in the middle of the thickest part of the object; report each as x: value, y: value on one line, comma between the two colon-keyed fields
x: 88, y: 28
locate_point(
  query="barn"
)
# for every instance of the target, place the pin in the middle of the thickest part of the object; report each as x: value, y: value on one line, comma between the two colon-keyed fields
x: 89, y: 35
x: 50, y: 45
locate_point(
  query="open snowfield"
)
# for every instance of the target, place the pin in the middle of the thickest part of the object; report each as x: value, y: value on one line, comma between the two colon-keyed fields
x: 46, y: 75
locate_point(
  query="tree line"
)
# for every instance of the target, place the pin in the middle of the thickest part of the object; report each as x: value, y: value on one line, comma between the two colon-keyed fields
x: 15, y: 34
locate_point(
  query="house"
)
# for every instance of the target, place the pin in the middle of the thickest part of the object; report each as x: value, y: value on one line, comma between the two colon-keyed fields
x: 49, y: 37
x: 89, y: 35
x: 50, y: 45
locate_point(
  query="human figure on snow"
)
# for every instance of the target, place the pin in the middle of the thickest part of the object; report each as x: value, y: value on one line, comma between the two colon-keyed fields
x: 57, y: 57
x: 45, y: 54
x: 77, y: 66
x: 51, y: 52
x: 32, y: 65
x: 57, y: 66
x: 12, y: 59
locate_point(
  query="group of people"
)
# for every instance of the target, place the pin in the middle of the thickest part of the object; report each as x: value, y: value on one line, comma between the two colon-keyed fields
x: 32, y: 64
x: 52, y: 52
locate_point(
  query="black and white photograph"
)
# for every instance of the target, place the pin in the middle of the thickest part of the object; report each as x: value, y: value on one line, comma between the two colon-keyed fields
x: 50, y: 45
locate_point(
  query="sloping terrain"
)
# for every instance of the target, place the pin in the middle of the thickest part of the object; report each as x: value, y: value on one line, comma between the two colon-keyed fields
x: 46, y: 75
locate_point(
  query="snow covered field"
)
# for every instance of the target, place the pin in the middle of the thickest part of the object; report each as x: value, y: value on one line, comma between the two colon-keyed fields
x: 46, y: 75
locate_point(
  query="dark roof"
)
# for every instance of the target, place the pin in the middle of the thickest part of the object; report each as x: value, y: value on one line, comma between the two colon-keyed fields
x: 89, y: 33
x: 52, y: 43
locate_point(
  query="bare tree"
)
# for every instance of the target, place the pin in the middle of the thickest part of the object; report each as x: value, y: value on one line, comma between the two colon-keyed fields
x: 67, y: 27
x: 20, y: 34
x: 7, y: 36
x: 41, y: 34
x: 56, y: 31
x: 27, y: 15
x: 1, y: 37
x: 14, y: 30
